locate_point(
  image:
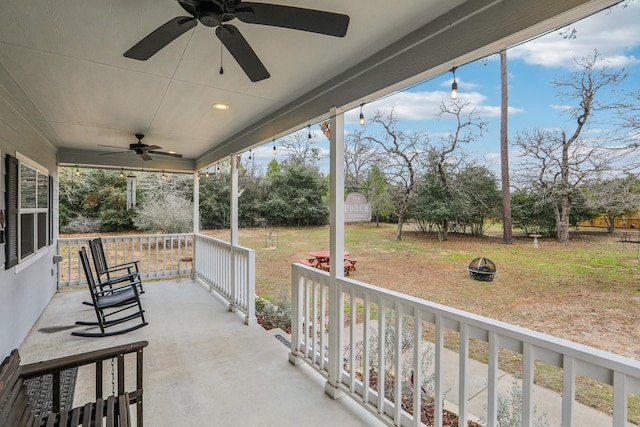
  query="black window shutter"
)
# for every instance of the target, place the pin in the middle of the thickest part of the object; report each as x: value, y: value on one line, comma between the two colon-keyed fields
x: 11, y: 201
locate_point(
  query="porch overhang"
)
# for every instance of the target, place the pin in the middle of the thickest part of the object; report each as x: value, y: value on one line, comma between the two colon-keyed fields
x: 63, y: 71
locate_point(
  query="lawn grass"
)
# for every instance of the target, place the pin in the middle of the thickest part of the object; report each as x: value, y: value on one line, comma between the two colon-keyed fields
x: 585, y: 291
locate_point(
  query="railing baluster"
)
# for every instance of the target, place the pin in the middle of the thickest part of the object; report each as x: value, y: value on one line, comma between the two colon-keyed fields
x: 463, y: 369
x: 528, y: 373
x: 438, y: 404
x: 568, y: 390
x: 417, y: 369
x: 397, y: 355
x: 619, y: 399
x: 381, y: 368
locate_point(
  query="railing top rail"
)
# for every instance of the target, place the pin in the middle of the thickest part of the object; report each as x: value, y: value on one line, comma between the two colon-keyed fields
x: 220, y: 241
x: 123, y: 236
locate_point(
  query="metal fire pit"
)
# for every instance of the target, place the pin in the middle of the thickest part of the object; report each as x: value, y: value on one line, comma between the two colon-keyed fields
x: 482, y: 269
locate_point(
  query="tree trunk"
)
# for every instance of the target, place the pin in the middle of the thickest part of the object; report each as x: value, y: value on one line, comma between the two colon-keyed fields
x: 565, y: 203
x: 443, y: 233
x: 399, y: 230
x: 507, y: 224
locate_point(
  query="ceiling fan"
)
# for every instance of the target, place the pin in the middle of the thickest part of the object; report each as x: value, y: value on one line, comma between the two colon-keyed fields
x: 216, y: 13
x: 143, y: 150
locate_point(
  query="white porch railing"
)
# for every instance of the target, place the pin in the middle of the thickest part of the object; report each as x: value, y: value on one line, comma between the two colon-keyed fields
x: 362, y: 308
x: 230, y: 270
x: 158, y: 255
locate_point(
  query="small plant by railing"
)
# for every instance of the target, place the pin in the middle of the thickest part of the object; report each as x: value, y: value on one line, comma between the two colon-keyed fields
x: 276, y: 314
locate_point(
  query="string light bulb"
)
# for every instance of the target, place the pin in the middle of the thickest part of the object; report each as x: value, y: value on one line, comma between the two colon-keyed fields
x: 454, y: 85
x: 207, y: 173
x: 275, y: 150
x: 121, y: 173
x: 361, y: 115
x: 164, y: 177
x: 249, y: 154
x: 309, y: 129
x: 77, y: 171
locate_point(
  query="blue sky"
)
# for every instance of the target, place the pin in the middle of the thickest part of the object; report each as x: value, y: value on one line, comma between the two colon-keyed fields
x: 614, y: 33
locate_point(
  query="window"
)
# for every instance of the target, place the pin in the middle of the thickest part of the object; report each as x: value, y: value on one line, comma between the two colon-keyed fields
x: 28, y: 207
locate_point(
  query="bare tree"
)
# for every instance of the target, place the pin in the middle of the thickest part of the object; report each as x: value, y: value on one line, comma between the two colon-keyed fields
x: 404, y: 151
x: 444, y: 156
x: 557, y: 162
x: 301, y: 146
x: 359, y: 157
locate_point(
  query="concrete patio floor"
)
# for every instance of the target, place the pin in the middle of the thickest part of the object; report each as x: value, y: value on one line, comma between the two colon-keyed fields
x: 203, y: 365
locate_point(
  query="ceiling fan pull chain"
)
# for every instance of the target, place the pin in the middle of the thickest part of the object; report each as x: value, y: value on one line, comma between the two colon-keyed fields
x: 221, y: 44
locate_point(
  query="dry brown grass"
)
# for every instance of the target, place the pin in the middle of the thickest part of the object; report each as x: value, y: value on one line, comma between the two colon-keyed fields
x: 586, y: 291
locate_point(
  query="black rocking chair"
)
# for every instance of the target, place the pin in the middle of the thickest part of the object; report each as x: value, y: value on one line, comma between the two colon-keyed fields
x: 111, y: 302
x: 109, y: 276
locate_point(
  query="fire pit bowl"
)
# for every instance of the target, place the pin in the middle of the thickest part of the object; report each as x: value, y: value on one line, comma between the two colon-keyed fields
x: 482, y: 269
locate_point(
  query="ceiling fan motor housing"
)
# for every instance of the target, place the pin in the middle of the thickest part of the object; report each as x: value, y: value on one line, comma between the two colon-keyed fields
x: 213, y: 12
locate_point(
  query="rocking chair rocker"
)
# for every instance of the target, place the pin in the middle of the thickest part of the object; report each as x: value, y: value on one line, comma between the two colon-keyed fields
x: 110, y: 302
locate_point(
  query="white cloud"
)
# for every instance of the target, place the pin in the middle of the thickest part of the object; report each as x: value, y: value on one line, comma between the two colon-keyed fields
x: 613, y: 33
x: 418, y: 106
x: 560, y: 107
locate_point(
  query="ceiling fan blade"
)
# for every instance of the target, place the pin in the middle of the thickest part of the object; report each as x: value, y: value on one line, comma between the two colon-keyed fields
x: 151, y: 147
x: 111, y: 146
x: 145, y: 156
x: 242, y: 52
x: 315, y: 21
x: 162, y: 36
x: 163, y: 153
x: 114, y: 152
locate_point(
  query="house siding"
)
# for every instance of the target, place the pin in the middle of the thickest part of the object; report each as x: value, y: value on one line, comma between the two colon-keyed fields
x: 25, y: 289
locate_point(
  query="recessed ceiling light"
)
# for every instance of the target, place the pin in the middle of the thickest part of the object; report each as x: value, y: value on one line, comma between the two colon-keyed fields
x: 172, y: 152
x: 221, y: 106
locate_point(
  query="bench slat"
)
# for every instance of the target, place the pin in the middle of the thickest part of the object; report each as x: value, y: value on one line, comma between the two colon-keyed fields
x: 75, y: 416
x: 52, y: 419
x: 99, y: 410
x: 123, y: 403
x: 86, y: 415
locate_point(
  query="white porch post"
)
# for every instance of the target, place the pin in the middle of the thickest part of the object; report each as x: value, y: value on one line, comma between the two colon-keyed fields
x: 234, y: 227
x: 196, y: 219
x: 336, y: 248
x: 196, y: 203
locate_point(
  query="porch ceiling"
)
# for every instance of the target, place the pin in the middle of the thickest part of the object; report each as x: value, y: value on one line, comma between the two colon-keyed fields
x: 61, y: 66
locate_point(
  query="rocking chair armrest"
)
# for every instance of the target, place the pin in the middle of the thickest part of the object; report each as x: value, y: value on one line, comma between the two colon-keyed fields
x: 119, y: 289
x: 124, y: 266
x: 37, y: 369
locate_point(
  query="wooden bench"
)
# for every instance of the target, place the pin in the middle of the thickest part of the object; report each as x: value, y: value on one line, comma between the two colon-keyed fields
x: 16, y: 411
x: 630, y: 236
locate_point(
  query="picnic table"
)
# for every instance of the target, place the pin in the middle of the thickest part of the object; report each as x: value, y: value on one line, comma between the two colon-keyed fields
x: 321, y: 260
